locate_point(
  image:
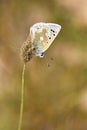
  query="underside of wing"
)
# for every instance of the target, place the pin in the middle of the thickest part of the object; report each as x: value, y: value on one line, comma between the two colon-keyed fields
x: 43, y: 34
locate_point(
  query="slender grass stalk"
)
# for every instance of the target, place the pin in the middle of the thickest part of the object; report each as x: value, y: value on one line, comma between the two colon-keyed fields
x: 22, y: 99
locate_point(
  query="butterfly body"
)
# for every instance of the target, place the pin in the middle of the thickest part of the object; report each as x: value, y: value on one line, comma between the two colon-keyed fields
x: 40, y: 38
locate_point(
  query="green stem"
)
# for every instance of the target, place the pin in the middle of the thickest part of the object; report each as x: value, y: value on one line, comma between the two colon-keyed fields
x: 22, y: 99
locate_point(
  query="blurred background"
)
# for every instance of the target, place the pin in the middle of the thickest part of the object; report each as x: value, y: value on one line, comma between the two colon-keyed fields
x: 55, y: 96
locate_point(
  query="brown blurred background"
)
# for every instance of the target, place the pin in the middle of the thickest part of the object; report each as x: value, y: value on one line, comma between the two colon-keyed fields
x: 55, y: 96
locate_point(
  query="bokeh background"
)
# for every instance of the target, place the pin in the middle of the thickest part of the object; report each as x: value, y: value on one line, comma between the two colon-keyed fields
x: 55, y: 96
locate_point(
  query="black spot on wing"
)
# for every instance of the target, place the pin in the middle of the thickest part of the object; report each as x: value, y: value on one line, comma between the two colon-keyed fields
x: 53, y: 32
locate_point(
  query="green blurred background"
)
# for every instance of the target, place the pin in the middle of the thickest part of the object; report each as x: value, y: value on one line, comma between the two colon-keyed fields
x: 55, y: 96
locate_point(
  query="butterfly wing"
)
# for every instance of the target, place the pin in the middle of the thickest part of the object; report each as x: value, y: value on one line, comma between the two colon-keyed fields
x: 42, y: 36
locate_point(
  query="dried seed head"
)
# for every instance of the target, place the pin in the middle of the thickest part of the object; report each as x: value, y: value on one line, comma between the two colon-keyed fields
x: 27, y: 50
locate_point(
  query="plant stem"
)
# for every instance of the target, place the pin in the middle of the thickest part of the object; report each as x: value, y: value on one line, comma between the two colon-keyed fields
x: 22, y: 99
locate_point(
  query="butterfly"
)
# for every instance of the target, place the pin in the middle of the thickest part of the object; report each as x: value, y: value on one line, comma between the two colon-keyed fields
x: 39, y: 40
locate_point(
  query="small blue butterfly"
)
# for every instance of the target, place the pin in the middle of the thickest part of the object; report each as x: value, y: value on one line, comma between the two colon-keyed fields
x: 40, y: 38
